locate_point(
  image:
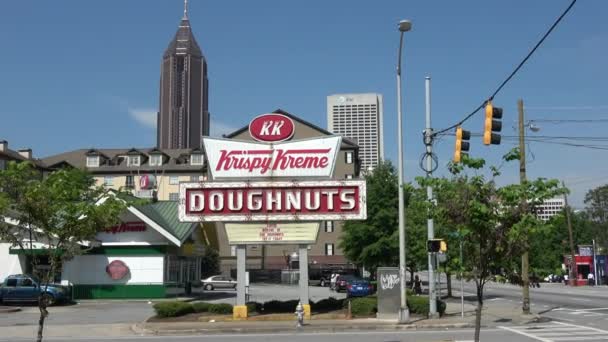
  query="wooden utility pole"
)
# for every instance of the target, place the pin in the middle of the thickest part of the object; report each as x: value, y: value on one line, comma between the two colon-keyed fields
x: 573, y: 271
x: 525, y: 262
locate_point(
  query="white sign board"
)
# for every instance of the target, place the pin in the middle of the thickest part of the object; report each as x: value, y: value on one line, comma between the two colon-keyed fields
x: 272, y: 233
x: 273, y: 201
x: 229, y: 159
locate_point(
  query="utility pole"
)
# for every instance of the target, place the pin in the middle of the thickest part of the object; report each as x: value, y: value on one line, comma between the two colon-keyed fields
x: 572, y: 274
x: 428, y: 142
x: 525, y: 262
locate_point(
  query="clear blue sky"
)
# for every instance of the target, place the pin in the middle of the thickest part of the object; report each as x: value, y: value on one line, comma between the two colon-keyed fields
x: 79, y: 74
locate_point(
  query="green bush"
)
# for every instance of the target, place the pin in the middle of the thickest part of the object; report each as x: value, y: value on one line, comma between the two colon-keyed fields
x: 222, y: 309
x: 364, y: 306
x: 329, y: 304
x: 276, y: 306
x: 201, y: 307
x: 172, y: 309
x: 254, y: 307
x: 420, y: 305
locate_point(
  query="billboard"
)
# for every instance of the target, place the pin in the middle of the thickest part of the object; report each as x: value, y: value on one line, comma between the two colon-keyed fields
x: 230, y: 159
x: 272, y: 233
x: 273, y: 201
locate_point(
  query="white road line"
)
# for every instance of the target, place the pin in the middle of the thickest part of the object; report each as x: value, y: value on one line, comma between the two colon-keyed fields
x: 525, y: 334
x: 595, y: 309
x: 583, y: 327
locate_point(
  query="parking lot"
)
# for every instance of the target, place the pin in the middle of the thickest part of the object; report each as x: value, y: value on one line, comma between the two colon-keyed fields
x: 125, y: 311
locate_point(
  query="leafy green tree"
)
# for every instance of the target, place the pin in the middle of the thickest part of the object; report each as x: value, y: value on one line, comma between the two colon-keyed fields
x: 596, y: 201
x: 374, y: 242
x: 210, y: 262
x: 62, y: 211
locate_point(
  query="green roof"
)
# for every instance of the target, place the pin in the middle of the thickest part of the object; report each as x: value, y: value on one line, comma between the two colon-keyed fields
x: 165, y: 214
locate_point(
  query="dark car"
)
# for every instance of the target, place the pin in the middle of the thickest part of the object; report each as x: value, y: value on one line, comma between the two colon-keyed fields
x: 27, y: 288
x: 358, y: 287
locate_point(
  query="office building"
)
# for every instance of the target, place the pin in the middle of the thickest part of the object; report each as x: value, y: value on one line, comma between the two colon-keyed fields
x: 183, y: 116
x: 550, y: 208
x: 359, y: 118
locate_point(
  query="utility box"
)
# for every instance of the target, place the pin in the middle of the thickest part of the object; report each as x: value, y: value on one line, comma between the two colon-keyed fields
x: 389, y: 296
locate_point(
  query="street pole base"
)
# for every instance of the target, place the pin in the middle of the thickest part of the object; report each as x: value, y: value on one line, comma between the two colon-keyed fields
x: 404, y: 315
x: 434, y: 315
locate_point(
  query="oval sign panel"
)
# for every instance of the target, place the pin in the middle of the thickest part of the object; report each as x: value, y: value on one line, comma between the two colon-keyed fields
x: 271, y: 127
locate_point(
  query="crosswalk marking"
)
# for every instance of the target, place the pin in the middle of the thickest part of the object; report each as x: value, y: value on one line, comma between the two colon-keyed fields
x: 558, y: 331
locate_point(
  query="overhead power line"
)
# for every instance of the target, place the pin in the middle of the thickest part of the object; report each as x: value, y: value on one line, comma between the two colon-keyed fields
x: 519, y: 66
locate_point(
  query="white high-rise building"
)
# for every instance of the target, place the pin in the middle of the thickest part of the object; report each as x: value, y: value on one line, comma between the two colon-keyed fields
x: 359, y: 118
x: 550, y: 208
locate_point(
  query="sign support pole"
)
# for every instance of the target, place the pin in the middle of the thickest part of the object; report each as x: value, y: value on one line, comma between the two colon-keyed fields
x: 240, y: 309
x: 303, y: 259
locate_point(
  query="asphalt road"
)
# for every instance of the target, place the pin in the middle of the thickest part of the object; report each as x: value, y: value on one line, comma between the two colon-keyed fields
x: 496, y: 335
x: 577, y: 305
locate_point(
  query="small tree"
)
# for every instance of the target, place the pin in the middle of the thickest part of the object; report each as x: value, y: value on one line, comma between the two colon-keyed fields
x: 373, y: 242
x: 62, y: 212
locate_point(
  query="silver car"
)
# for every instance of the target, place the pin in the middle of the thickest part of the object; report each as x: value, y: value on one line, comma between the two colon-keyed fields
x: 219, y: 282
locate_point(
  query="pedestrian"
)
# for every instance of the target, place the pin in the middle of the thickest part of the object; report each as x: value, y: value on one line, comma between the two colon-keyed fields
x: 566, y: 279
x: 417, y: 286
x: 590, y: 279
x: 332, y: 282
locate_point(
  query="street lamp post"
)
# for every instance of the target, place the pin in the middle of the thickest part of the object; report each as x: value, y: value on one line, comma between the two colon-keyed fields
x: 404, y: 314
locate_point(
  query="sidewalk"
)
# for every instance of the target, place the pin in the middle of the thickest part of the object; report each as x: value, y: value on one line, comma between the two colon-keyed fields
x: 492, y: 315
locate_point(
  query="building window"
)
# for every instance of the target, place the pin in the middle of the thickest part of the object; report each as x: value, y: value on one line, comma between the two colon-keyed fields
x: 232, y: 250
x: 92, y: 161
x: 349, y: 176
x: 156, y: 160
x: 174, y: 196
x: 329, y: 249
x: 196, y: 159
x: 108, y: 180
x: 129, y: 182
x: 174, y: 180
x: 132, y: 160
x: 349, y: 157
x: 329, y: 226
x: 194, y: 178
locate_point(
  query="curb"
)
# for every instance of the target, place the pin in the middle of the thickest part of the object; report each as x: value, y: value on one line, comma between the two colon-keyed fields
x: 142, y: 330
x: 8, y: 309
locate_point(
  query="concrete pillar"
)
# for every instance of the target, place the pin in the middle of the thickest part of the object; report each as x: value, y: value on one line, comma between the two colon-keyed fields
x: 240, y: 309
x: 303, y: 258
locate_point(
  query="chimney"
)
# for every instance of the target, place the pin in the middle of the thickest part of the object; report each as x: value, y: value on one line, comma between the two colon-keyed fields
x: 26, y: 153
x: 3, y: 145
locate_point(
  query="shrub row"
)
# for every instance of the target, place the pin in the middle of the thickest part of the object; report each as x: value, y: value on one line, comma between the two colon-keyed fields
x: 420, y: 305
x: 174, y: 309
x: 368, y: 306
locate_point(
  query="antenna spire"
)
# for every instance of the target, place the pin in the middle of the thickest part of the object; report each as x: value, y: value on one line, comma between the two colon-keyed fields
x: 186, y: 9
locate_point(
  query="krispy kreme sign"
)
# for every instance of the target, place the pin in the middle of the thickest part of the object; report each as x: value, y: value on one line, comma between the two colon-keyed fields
x: 243, y: 159
x: 273, y: 201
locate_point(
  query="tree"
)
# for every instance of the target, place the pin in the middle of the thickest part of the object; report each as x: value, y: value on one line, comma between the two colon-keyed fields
x: 597, y: 211
x: 210, y: 262
x: 374, y: 242
x: 63, y: 211
x: 490, y: 220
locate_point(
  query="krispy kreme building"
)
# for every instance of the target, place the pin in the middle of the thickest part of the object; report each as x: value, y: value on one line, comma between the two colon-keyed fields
x: 253, y: 182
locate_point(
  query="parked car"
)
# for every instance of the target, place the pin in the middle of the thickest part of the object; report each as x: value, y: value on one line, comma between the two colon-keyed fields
x: 342, y: 282
x: 218, y: 282
x: 27, y: 288
x: 358, y: 287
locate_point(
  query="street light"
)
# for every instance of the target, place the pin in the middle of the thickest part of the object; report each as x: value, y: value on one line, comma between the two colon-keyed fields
x: 404, y: 314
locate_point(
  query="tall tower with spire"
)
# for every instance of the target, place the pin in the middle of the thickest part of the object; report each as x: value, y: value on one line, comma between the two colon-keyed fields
x: 183, y: 116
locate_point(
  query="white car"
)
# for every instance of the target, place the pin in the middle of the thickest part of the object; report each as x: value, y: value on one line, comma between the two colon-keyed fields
x: 219, y: 282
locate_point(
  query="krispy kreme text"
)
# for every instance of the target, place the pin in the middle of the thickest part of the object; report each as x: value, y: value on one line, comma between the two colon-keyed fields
x: 241, y: 159
x: 233, y: 202
x: 279, y: 159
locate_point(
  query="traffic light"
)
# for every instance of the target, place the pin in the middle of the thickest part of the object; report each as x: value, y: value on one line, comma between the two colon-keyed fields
x: 443, y: 246
x: 492, y: 124
x: 462, y: 143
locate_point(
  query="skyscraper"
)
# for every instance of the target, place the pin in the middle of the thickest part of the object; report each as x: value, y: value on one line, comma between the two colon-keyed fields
x: 183, y: 115
x: 359, y: 117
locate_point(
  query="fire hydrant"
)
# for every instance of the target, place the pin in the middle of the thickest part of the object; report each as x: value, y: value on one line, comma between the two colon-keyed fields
x: 300, y: 315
